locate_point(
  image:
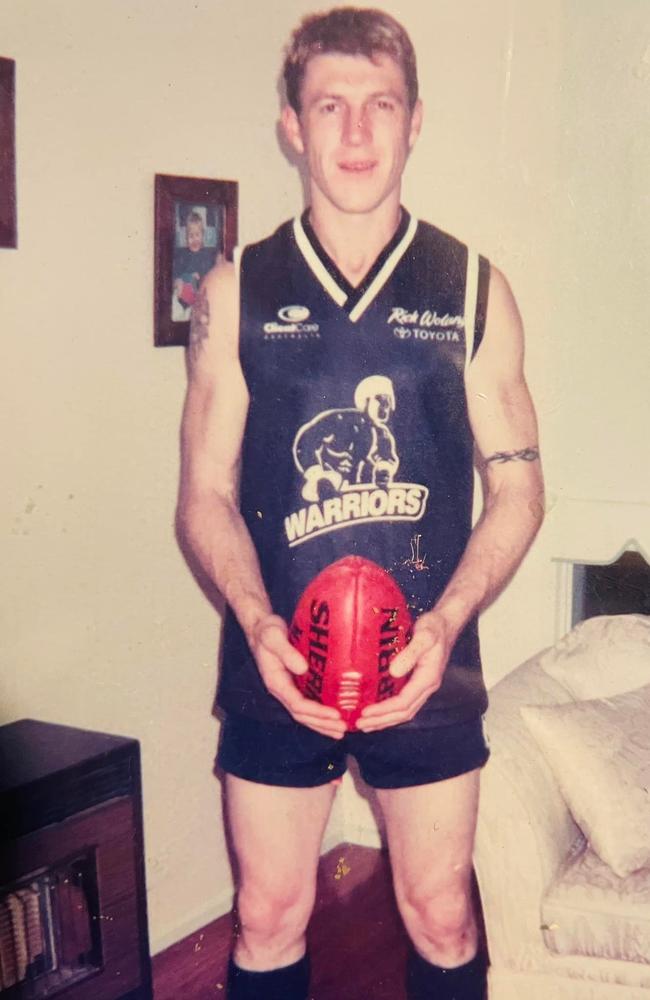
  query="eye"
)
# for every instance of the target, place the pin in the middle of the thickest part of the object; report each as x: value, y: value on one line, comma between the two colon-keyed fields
x: 385, y: 104
x: 328, y: 107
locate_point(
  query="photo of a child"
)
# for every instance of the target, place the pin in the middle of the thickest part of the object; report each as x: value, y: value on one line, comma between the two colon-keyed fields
x: 198, y: 243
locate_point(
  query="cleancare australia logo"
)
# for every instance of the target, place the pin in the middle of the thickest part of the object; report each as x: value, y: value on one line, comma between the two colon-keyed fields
x: 294, y: 325
x: 411, y: 324
x: 348, y: 462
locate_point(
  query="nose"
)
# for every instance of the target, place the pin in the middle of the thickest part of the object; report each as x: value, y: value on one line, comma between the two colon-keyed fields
x: 356, y: 127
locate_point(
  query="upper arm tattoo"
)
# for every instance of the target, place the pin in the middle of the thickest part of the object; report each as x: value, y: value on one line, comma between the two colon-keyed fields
x: 199, y: 324
x: 523, y: 455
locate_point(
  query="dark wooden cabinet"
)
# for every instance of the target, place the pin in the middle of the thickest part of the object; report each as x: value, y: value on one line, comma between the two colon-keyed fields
x: 73, y: 917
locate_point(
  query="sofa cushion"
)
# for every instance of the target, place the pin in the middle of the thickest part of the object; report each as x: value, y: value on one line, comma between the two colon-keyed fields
x: 590, y: 911
x: 601, y: 656
x: 599, y: 752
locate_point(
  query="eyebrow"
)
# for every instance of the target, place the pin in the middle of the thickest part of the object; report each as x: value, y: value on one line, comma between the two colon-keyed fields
x: 332, y: 96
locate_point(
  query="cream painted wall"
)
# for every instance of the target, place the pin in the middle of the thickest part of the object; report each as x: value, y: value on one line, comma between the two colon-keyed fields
x: 533, y: 150
x: 104, y: 627
x: 603, y: 264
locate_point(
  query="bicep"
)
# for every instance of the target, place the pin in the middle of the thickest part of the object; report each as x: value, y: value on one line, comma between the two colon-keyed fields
x: 216, y: 403
x: 500, y: 407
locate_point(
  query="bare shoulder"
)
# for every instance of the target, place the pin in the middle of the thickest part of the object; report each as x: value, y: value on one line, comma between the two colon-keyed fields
x: 501, y: 411
x: 502, y: 347
x: 221, y: 279
x: 214, y: 323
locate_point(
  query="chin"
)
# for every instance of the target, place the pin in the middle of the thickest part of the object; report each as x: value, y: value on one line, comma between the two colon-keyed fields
x: 358, y: 202
x: 362, y: 193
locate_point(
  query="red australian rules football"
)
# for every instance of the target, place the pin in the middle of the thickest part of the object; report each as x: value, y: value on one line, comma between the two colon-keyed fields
x: 350, y: 622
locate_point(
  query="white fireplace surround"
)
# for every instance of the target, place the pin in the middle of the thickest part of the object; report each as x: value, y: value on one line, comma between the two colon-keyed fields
x: 591, y: 532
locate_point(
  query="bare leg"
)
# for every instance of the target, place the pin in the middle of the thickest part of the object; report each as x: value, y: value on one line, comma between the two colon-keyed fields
x: 431, y: 837
x: 277, y: 834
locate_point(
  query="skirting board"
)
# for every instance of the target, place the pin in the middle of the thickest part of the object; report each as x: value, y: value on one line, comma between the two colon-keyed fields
x: 364, y: 836
x: 222, y: 903
x: 219, y: 905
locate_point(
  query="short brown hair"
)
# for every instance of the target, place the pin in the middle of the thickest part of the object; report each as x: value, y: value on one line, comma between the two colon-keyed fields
x: 353, y: 31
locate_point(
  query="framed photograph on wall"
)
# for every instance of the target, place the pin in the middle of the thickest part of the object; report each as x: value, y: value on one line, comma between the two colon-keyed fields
x: 8, y: 226
x: 195, y: 225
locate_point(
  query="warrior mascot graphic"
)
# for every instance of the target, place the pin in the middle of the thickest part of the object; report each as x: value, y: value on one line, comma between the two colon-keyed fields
x: 341, y: 448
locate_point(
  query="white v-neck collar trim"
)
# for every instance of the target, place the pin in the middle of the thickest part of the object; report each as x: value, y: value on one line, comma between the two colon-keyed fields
x: 316, y: 264
x: 384, y: 272
x: 330, y: 285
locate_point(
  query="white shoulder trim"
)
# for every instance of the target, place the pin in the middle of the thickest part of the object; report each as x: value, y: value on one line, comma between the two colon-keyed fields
x: 236, y: 259
x: 471, y: 295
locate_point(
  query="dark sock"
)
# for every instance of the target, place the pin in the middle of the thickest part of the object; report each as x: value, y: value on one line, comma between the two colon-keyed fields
x: 289, y: 983
x: 425, y: 981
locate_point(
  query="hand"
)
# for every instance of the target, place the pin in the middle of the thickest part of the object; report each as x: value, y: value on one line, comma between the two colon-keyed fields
x: 426, y: 655
x: 277, y: 661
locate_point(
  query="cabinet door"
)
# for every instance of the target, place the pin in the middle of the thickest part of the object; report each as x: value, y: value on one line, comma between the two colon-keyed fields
x: 107, y: 837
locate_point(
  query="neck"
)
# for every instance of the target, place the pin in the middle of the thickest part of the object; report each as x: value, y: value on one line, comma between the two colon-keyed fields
x: 354, y: 240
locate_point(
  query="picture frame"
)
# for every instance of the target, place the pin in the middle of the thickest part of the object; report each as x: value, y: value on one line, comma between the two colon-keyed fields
x: 8, y: 216
x: 195, y: 224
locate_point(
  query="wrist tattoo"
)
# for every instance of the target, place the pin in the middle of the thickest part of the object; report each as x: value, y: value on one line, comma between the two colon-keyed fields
x: 523, y: 455
x: 199, y: 324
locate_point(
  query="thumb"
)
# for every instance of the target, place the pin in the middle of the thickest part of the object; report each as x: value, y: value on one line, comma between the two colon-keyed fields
x: 406, y: 659
x: 275, y: 640
x: 294, y: 660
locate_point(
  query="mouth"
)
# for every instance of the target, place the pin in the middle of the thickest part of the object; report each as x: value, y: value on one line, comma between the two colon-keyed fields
x: 357, y: 166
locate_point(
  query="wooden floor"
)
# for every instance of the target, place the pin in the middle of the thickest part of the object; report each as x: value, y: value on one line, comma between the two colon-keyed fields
x: 356, y: 939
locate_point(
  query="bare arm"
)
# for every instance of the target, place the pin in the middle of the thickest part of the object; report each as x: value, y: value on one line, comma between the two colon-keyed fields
x: 504, y: 425
x: 208, y: 517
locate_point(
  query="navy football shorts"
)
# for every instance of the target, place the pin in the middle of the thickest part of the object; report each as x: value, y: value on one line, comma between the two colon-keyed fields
x: 293, y: 756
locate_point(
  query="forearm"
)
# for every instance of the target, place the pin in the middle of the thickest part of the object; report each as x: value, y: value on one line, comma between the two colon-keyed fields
x: 213, y: 529
x: 510, y: 520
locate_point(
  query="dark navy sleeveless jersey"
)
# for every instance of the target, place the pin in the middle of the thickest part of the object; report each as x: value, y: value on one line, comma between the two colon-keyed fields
x: 357, y: 439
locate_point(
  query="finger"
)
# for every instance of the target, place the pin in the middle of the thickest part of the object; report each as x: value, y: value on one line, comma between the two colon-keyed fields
x: 392, y: 718
x: 332, y: 732
x: 281, y: 685
x: 422, y: 682
x: 334, y: 727
x: 285, y: 690
x: 316, y: 712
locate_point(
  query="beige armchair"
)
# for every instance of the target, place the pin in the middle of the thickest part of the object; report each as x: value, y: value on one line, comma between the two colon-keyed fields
x: 560, y: 924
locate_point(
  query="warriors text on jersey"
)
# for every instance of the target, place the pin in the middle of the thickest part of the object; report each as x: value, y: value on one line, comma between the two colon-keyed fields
x: 357, y: 440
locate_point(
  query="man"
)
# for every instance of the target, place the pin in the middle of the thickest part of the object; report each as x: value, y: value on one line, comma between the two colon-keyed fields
x: 355, y: 290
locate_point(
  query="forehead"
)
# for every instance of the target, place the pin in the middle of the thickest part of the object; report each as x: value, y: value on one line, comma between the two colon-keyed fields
x: 352, y: 76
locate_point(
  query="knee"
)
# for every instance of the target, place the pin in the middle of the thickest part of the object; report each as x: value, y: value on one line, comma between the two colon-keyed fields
x: 439, y: 919
x: 269, y: 913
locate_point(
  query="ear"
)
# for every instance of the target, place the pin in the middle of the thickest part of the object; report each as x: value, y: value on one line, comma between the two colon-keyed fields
x: 416, y: 123
x: 292, y: 128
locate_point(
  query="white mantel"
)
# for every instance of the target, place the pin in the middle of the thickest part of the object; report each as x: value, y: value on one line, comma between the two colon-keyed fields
x: 592, y: 532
